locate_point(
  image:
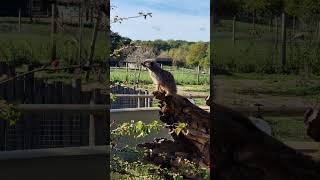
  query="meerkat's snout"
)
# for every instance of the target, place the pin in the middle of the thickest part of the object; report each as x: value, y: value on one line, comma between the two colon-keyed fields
x: 147, y: 64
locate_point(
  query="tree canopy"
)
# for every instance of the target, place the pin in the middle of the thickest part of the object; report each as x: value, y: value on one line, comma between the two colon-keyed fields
x: 307, y: 10
x: 183, y: 53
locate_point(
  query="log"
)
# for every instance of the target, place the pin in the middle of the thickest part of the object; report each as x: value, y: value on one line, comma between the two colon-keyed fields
x: 241, y: 151
x: 192, y: 143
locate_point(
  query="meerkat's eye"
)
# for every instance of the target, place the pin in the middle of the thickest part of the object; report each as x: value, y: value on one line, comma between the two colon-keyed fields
x: 151, y: 63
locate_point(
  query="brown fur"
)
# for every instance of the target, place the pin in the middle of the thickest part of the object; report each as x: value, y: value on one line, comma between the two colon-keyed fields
x: 163, y: 79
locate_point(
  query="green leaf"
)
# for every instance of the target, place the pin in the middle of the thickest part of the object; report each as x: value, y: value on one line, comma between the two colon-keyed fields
x: 139, y: 125
x: 178, y: 130
x: 180, y: 127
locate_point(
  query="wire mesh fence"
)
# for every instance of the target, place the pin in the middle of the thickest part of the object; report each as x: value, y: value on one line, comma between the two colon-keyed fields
x: 64, y: 33
x: 268, y: 45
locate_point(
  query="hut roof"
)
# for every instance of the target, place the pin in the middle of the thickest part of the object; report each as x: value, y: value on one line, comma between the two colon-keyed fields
x: 158, y: 59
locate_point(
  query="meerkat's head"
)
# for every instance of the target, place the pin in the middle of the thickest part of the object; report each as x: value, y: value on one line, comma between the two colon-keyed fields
x: 151, y: 64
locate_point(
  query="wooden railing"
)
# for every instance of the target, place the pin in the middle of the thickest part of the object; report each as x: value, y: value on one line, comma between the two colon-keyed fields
x: 280, y: 111
x: 147, y: 98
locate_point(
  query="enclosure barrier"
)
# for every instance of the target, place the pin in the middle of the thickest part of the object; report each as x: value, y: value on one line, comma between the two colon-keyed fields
x: 145, y: 100
x: 81, y: 163
x: 307, y: 147
x: 74, y: 162
x: 85, y: 162
x: 279, y: 111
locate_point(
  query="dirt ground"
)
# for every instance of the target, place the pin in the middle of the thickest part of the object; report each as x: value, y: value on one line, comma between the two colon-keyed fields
x: 246, y: 92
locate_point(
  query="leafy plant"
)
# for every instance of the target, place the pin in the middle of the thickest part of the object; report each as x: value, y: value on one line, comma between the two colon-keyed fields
x: 137, y: 169
x: 8, y: 112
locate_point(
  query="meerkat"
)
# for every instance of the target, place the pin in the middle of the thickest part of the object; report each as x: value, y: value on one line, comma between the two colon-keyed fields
x: 163, y: 80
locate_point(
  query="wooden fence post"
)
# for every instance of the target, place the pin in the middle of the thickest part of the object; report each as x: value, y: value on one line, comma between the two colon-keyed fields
x: 91, y: 15
x: 276, y: 33
x: 146, y: 99
x: 270, y: 25
x: 294, y: 25
x: 284, y: 43
x: 234, y: 30
x: 92, y: 130
x: 30, y: 11
x: 93, y: 42
x: 67, y: 117
x: 127, y: 72
x: 20, y: 20
x: 198, y: 74
x: 80, y: 32
x: 140, y: 68
x: 53, y: 32
x: 319, y: 31
x: 254, y: 20
x: 138, y: 102
x: 62, y: 18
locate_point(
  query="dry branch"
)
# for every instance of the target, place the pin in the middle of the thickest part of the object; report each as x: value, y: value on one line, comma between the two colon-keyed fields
x: 45, y: 68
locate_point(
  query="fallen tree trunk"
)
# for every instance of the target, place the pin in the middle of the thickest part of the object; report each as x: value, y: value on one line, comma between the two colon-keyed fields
x: 241, y: 151
x: 193, y: 141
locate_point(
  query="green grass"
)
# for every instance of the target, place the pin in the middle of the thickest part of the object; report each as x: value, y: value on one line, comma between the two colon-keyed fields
x: 288, y: 128
x: 274, y: 84
x: 258, y: 54
x: 182, y: 77
x: 34, y: 43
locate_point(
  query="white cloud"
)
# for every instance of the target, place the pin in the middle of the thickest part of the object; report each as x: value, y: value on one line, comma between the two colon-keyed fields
x: 172, y: 25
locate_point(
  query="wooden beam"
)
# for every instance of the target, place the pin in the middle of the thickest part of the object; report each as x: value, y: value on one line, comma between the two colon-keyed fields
x: 87, y: 108
x: 280, y: 111
x: 150, y: 96
x: 53, y: 152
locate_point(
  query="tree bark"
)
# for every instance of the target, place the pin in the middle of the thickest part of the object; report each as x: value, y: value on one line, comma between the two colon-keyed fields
x: 192, y: 143
x: 241, y: 151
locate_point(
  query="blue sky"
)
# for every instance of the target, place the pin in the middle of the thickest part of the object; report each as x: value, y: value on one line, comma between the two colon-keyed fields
x: 172, y: 19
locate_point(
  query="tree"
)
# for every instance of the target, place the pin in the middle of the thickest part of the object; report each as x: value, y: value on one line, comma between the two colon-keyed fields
x: 197, y: 53
x: 205, y: 62
x: 118, y: 41
x: 227, y: 7
x: 140, y: 54
x: 292, y: 7
x: 310, y: 11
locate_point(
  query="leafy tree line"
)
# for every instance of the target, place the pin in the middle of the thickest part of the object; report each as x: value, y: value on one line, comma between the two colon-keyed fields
x: 182, y: 52
x: 305, y: 10
x: 190, y: 55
